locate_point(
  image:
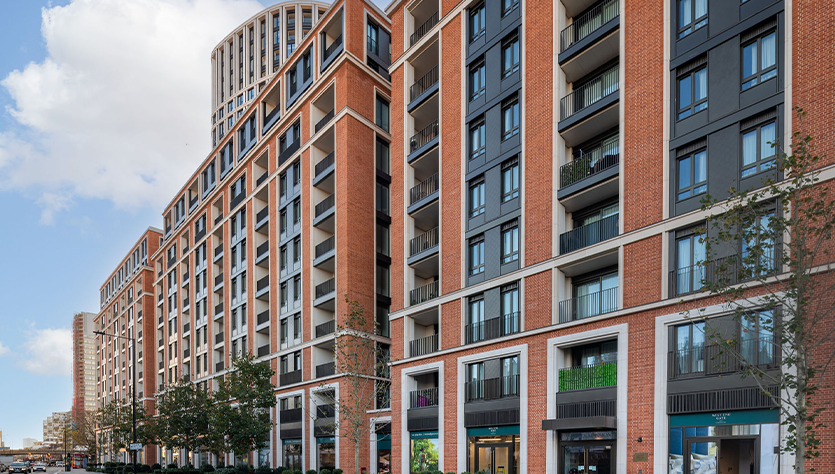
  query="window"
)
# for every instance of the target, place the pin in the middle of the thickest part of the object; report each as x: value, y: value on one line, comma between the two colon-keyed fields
x: 282, y: 221
x: 383, y: 157
x: 476, y: 315
x: 692, y: 175
x: 692, y: 93
x: 297, y: 328
x: 478, y: 79
x: 282, y: 184
x: 477, y: 198
x: 508, y: 6
x: 690, y: 348
x: 475, y: 381
x: 596, y: 295
x: 383, y: 199
x: 382, y: 115
x: 283, y: 297
x: 383, y: 240
x: 510, y: 54
x: 756, y: 338
x: 510, y: 180
x: 477, y: 255
x: 478, y: 139
x: 510, y: 376
x: 510, y: 308
x: 297, y: 211
x: 297, y: 173
x: 297, y: 250
x: 383, y: 280
x: 758, y: 152
x: 692, y: 15
x: 297, y: 288
x: 478, y: 19
x: 510, y: 118
x: 759, y: 60
x: 690, y: 259
x: 759, y: 245
x: 372, y: 37
x: 283, y: 258
x: 510, y: 241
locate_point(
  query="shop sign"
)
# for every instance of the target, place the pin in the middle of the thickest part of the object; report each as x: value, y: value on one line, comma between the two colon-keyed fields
x: 423, y: 434
x: 291, y: 441
x: 745, y: 417
x: 494, y: 431
x: 327, y: 439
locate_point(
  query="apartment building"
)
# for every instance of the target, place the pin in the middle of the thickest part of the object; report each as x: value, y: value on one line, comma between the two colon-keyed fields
x: 54, y: 427
x: 126, y: 297
x: 250, y: 56
x: 287, y: 216
x: 548, y: 159
x: 84, y: 366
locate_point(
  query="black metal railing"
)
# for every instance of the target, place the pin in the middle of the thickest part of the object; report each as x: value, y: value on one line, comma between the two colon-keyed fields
x: 218, y: 338
x: 327, y: 118
x: 325, y: 411
x: 424, y: 345
x: 426, y: 135
x: 262, y: 249
x: 192, y: 202
x: 263, y: 350
x: 262, y: 178
x: 588, y: 376
x: 218, y: 219
x: 590, y: 93
x: 425, y: 292
x: 324, y: 205
x: 588, y: 23
x: 290, y: 416
x: 290, y: 377
x: 325, y: 246
x: 186, y: 327
x: 757, y: 350
x: 590, y: 163
x: 185, y: 277
x: 492, y: 389
x: 586, y: 306
x: 722, y: 271
x: 262, y: 283
x: 330, y: 49
x: 323, y: 164
x: 326, y: 328
x: 218, y: 309
x: 421, y: 30
x: 423, y: 189
x: 263, y: 317
x: 219, y: 279
x: 186, y: 353
x: 218, y: 250
x: 262, y: 214
x: 288, y: 152
x: 325, y: 370
x: 424, y: 241
x: 589, y: 234
x: 268, y: 117
x: 323, y: 289
x: 422, y: 398
x: 424, y: 83
x: 492, y: 328
x: 199, y: 235
x: 219, y: 366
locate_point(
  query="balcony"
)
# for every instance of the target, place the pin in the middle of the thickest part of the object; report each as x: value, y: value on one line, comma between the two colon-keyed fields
x: 423, y: 141
x: 326, y: 328
x: 218, y: 310
x: 290, y: 378
x: 324, y: 292
x: 264, y: 350
x: 292, y: 415
x: 236, y: 200
x: 262, y: 287
x: 424, y: 345
x: 425, y: 293
x: 589, y: 234
x: 325, y: 370
x: 218, y: 252
x: 423, y: 88
x: 593, y: 169
x: 423, y: 245
x: 262, y: 252
x: 321, y: 123
x: 262, y: 217
x: 325, y: 411
x: 424, y: 28
x: 423, y: 193
x: 588, y: 376
x: 263, y: 317
x: 262, y: 178
x: 423, y: 398
x: 492, y: 328
x: 288, y: 152
x: 331, y: 52
x: 219, y: 366
x: 324, y: 211
x: 586, y: 306
x: 590, y: 108
x: 724, y: 271
x: 590, y: 41
x: 492, y: 389
x: 218, y: 338
x: 218, y: 281
x: 324, y: 249
x: 761, y: 351
x: 323, y: 168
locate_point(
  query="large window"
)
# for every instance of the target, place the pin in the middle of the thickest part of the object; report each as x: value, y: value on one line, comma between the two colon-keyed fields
x: 383, y: 157
x: 477, y: 198
x: 759, y: 60
x: 692, y: 175
x: 478, y: 21
x: 510, y: 179
x: 758, y: 152
x: 690, y: 258
x: 478, y: 139
x: 510, y: 308
x: 692, y: 92
x: 756, y: 338
x: 689, y: 348
x: 508, y: 6
x: 510, y: 55
x: 759, y: 250
x: 478, y: 79
x: 510, y: 118
x: 477, y: 255
x: 372, y: 36
x: 382, y: 115
x: 510, y: 241
x: 476, y: 318
x: 692, y: 15
x: 510, y: 376
x: 596, y: 295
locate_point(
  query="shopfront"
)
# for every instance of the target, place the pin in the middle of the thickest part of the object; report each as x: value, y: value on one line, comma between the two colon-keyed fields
x: 494, y: 450
x: 326, y: 452
x: 291, y: 454
x: 735, y: 442
x: 587, y: 451
x: 424, y: 451
x: 384, y: 453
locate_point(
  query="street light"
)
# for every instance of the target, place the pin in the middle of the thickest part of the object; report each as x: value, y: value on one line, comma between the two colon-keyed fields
x: 133, y: 392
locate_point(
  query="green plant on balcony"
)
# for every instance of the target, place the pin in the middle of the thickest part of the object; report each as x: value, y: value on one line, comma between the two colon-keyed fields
x: 595, y: 376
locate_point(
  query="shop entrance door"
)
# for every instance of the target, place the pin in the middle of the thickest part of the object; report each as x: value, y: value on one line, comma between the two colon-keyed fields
x: 494, y: 458
x: 587, y: 457
x: 722, y: 455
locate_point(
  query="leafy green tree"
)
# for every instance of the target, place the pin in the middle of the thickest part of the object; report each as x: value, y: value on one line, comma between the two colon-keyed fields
x: 116, y: 418
x: 244, y: 401
x: 183, y: 416
x: 783, y: 232
x: 84, y: 433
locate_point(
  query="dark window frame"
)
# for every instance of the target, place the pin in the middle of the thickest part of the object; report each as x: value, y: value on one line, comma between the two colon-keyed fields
x: 693, y: 188
x: 477, y: 22
x: 477, y: 186
x: 695, y: 23
x: 477, y: 77
x: 511, y: 105
x: 761, y: 163
x: 510, y: 45
x: 759, y: 76
x: 695, y: 105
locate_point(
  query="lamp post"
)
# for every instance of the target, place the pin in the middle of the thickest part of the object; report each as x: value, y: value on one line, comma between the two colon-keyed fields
x: 133, y: 391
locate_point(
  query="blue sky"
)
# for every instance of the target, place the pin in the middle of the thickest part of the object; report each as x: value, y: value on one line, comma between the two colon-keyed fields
x: 75, y: 189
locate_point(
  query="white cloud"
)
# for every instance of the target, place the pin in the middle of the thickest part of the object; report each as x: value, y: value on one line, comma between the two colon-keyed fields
x: 119, y: 110
x: 48, y: 351
x: 3, y: 350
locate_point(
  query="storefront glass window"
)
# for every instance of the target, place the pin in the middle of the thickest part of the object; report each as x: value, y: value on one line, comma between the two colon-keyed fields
x: 292, y: 455
x: 326, y: 448
x: 425, y: 447
x: 494, y: 450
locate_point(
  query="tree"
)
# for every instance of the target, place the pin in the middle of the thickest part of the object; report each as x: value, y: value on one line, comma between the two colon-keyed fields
x: 116, y: 419
x: 783, y: 233
x: 84, y: 433
x: 363, y: 364
x: 183, y: 416
x: 244, y: 400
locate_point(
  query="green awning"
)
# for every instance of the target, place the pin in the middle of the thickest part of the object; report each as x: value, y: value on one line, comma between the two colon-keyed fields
x: 742, y: 417
x: 494, y: 431
x: 291, y: 441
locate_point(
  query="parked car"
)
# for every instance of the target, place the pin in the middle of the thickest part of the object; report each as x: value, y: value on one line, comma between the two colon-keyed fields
x: 39, y: 466
x: 60, y: 463
x: 19, y: 467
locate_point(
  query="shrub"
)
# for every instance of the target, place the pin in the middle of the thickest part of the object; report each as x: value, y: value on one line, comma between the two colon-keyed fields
x: 171, y: 466
x: 311, y: 471
x: 207, y: 468
x: 337, y: 471
x: 159, y: 471
x: 155, y: 466
x: 325, y: 471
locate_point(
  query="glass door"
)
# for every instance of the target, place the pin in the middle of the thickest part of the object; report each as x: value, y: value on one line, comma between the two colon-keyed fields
x: 587, y: 458
x: 494, y: 459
